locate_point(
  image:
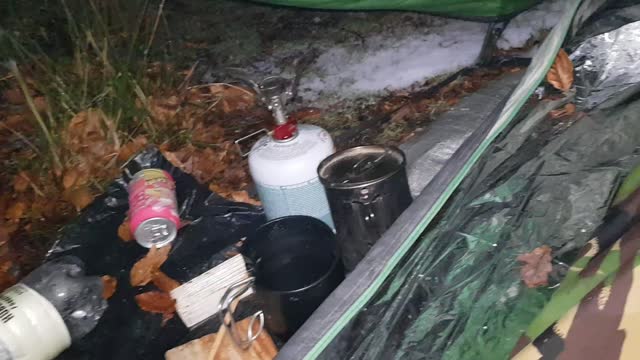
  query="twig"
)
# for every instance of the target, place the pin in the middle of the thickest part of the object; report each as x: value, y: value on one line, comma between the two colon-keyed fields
x: 23, y: 138
x: 187, y: 78
x: 155, y: 28
x: 25, y: 90
x: 34, y: 187
x: 226, y: 84
x: 222, y: 332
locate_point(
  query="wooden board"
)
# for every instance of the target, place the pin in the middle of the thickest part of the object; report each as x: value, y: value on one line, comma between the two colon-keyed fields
x: 261, y: 349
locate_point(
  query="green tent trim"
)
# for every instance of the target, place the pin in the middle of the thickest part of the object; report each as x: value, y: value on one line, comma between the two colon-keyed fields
x: 476, y: 9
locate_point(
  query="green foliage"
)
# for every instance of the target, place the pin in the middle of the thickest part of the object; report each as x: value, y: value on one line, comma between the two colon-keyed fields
x: 82, y: 54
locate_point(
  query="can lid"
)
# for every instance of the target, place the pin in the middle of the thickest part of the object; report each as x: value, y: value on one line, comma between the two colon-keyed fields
x: 156, y: 231
x: 360, y: 166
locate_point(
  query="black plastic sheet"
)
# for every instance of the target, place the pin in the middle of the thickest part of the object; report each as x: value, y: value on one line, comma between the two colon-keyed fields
x: 458, y: 293
x: 215, y: 226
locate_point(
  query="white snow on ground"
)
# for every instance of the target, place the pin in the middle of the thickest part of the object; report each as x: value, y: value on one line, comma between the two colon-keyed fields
x: 386, y: 62
x: 531, y: 24
x: 390, y: 63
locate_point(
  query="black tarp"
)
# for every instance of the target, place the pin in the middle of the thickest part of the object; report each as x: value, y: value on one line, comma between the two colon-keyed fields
x: 215, y: 226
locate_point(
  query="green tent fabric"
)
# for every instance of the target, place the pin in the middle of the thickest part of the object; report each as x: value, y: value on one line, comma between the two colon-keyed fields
x: 477, y: 9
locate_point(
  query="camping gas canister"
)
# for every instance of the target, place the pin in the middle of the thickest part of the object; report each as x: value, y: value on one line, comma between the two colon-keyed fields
x: 283, y: 164
x: 153, y: 208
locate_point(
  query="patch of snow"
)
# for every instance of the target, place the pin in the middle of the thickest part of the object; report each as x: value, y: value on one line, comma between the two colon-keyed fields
x: 391, y: 63
x: 531, y: 24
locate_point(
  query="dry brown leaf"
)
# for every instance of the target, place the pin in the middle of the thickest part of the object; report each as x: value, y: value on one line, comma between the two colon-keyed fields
x: 567, y: 110
x: 86, y: 126
x: 213, y: 134
x: 233, y: 98
x: 164, y: 282
x: 21, y: 182
x: 109, y: 285
x: 14, y: 96
x: 16, y: 211
x: 145, y: 269
x: 40, y: 103
x: 537, y: 266
x: 70, y: 178
x: 311, y: 113
x: 243, y: 196
x: 7, y: 277
x: 561, y: 73
x: 124, y: 231
x: 4, y: 233
x: 131, y: 148
x: 79, y: 196
x: 18, y: 122
x: 164, y: 110
x: 156, y: 302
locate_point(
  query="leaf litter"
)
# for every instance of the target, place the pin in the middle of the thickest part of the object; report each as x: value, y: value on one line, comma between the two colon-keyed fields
x: 536, y: 267
x: 144, y: 270
x: 560, y: 75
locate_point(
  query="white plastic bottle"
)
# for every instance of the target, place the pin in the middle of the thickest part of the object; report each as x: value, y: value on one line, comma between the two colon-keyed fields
x: 50, y: 308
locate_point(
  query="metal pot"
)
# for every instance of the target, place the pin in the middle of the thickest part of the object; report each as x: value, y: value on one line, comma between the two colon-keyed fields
x: 367, y: 189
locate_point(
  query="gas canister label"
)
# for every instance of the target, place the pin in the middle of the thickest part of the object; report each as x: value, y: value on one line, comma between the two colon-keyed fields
x: 307, y: 198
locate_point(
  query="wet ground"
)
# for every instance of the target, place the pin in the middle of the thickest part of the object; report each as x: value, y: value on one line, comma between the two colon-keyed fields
x: 367, y: 77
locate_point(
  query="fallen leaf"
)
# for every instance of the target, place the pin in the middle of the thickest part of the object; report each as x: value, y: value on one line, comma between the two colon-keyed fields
x: 21, y: 182
x: 124, y: 231
x: 145, y: 269
x: 40, y: 103
x: 309, y: 113
x: 16, y: 211
x: 164, y: 282
x: 109, y: 284
x: 537, y: 266
x: 79, y: 196
x: 243, y: 196
x: 70, y: 177
x: 164, y: 110
x: 166, y: 317
x: 131, y: 148
x: 567, y: 110
x: 213, y: 134
x: 158, y: 302
x: 7, y: 276
x: 4, y: 233
x: 561, y: 73
x: 14, y: 96
x: 233, y: 98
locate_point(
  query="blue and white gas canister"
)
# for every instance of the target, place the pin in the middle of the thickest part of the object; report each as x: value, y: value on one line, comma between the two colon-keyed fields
x: 285, y: 173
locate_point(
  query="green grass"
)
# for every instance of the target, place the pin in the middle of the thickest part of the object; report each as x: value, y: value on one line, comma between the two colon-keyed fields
x: 89, y: 54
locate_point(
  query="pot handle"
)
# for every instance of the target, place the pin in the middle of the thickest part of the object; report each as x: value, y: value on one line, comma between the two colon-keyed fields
x: 226, y: 307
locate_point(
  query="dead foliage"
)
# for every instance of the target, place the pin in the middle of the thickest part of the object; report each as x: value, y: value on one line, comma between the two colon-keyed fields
x: 146, y: 268
x: 109, y: 285
x: 565, y: 111
x: 560, y: 76
x: 164, y: 282
x: 536, y: 267
x: 158, y: 302
x: 190, y: 125
x: 124, y: 231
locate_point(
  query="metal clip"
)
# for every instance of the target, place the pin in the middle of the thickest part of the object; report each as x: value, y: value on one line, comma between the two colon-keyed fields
x: 225, y: 308
x: 246, y: 137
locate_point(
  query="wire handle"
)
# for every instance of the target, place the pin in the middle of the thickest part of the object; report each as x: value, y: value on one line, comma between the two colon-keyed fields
x: 247, y: 137
x: 233, y: 293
